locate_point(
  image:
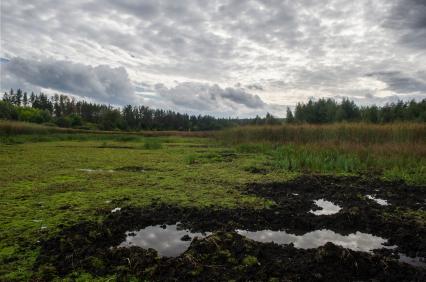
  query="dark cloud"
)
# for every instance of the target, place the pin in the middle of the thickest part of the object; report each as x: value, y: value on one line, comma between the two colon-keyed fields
x: 205, y: 97
x: 239, y: 96
x: 408, y: 18
x: 401, y: 83
x: 102, y: 83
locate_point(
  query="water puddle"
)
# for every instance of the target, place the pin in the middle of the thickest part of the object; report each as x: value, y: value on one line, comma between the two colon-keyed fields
x: 327, y: 207
x: 355, y: 241
x: 417, y: 261
x: 95, y: 170
x: 115, y: 210
x: 132, y: 169
x: 167, y: 240
x: 377, y: 200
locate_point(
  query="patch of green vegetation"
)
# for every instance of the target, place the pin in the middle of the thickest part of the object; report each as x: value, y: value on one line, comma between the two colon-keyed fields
x: 47, y: 186
x: 152, y: 144
x: 250, y: 261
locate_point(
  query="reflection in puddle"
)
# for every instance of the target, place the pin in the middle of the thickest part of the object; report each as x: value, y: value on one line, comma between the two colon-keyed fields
x: 165, y: 239
x: 417, y: 261
x: 95, y: 170
x: 356, y: 241
x: 379, y: 201
x: 327, y: 207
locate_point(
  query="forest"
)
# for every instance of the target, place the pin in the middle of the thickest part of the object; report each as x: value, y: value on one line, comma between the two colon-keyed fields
x: 65, y: 111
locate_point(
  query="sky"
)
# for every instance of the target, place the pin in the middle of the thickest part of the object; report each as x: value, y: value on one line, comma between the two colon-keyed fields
x: 219, y: 57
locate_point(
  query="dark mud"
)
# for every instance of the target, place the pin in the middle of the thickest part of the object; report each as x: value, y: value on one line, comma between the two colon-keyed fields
x: 226, y: 255
x: 133, y: 169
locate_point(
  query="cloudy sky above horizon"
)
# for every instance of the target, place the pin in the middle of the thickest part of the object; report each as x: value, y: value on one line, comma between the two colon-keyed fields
x: 223, y: 57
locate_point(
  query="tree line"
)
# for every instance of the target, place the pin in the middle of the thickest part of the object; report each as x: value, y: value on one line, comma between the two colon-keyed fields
x: 330, y: 111
x: 66, y: 111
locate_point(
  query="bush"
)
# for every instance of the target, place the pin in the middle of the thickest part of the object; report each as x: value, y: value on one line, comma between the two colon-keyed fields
x: 33, y: 115
x: 8, y: 111
x: 63, y: 122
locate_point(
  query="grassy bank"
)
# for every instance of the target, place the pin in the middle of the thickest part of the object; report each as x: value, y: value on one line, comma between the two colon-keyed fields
x: 394, y: 151
x: 12, y: 129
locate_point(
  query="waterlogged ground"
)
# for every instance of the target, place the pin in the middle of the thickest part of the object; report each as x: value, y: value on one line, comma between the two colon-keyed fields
x: 191, y: 209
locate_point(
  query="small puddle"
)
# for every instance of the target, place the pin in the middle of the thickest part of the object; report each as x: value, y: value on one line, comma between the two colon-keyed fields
x: 132, y: 169
x: 167, y: 240
x: 327, y: 207
x: 416, y: 261
x: 95, y: 170
x: 355, y: 241
x: 377, y: 200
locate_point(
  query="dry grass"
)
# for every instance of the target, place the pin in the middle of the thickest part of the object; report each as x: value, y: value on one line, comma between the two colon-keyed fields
x: 335, y: 134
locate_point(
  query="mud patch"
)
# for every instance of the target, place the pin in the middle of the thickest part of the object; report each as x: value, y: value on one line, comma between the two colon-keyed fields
x: 117, y: 147
x: 226, y: 255
x: 133, y: 169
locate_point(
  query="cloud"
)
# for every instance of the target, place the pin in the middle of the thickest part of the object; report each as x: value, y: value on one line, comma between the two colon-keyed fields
x: 284, y: 51
x: 402, y: 83
x: 205, y: 97
x: 102, y: 83
x: 408, y: 19
x: 255, y: 86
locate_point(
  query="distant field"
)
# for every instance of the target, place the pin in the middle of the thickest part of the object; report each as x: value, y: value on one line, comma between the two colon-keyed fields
x: 11, y: 128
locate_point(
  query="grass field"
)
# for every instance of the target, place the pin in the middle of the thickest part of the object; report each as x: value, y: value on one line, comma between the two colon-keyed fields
x: 52, y: 181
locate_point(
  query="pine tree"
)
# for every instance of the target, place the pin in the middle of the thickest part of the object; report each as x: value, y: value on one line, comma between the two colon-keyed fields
x: 289, y: 117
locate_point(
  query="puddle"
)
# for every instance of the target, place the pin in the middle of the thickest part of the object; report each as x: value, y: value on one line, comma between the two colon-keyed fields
x: 355, y: 241
x: 327, y: 207
x: 115, y: 210
x: 416, y: 261
x: 95, y: 170
x: 167, y: 240
x: 377, y: 200
x: 132, y: 169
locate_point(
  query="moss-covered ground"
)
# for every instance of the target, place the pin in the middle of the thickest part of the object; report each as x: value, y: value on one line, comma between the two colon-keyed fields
x: 46, y: 186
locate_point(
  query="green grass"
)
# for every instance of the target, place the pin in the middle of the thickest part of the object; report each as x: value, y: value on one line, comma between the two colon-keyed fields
x: 405, y: 165
x: 51, y: 181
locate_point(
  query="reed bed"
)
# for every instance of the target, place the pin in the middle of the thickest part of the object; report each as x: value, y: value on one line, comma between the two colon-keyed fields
x: 393, y: 151
x: 353, y: 133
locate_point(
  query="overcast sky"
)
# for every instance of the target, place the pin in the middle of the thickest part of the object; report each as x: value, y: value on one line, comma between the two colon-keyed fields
x: 226, y: 58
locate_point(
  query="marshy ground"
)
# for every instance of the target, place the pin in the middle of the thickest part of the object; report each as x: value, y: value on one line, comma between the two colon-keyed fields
x: 67, y: 206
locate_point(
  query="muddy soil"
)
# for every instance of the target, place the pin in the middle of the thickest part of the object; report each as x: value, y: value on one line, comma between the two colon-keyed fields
x: 226, y: 255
